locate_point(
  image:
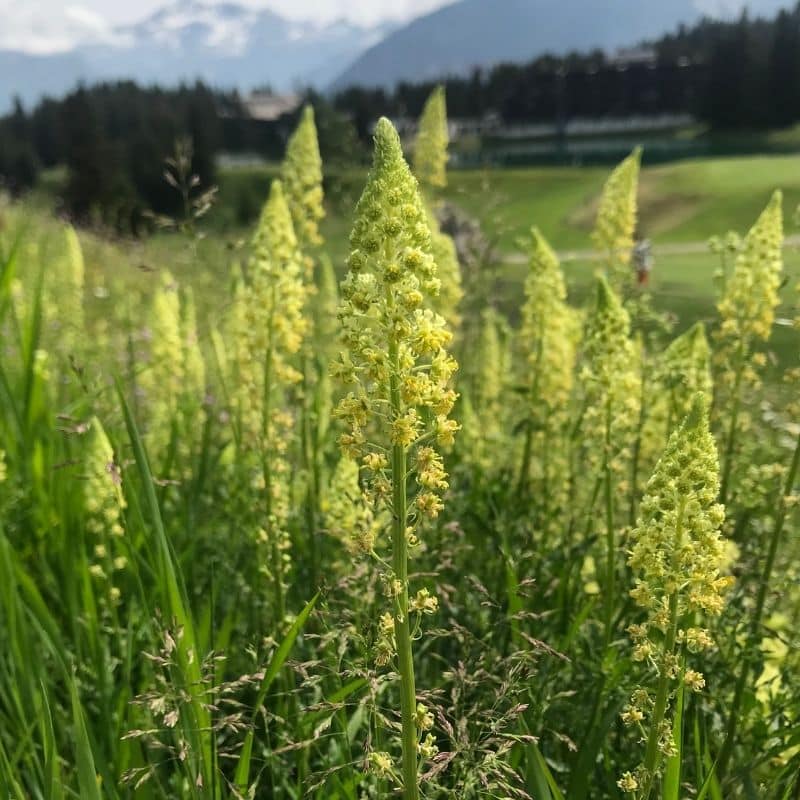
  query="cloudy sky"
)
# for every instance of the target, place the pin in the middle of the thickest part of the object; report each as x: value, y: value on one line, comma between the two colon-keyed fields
x: 52, y: 25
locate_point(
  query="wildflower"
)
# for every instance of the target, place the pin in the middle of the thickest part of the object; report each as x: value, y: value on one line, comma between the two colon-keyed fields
x: 686, y: 370
x: 548, y: 339
x: 381, y: 764
x: 628, y: 782
x: 301, y: 175
x: 676, y: 554
x: 616, y: 219
x: 392, y: 342
x: 747, y: 310
x: 268, y: 329
x: 430, y: 148
x: 694, y: 680
x: 748, y: 303
x: 450, y: 292
x: 609, y: 377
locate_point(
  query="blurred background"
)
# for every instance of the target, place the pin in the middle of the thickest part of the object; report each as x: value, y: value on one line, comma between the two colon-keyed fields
x: 95, y: 94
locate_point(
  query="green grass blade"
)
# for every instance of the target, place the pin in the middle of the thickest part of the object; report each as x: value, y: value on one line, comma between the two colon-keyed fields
x: 84, y: 760
x: 242, y: 777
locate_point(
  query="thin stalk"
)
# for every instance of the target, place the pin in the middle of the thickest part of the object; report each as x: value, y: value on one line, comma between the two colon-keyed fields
x: 610, y: 537
x: 652, y: 755
x: 758, y: 613
x: 402, y: 631
x: 637, y: 448
x: 277, y: 561
x: 730, y: 441
x: 527, y: 452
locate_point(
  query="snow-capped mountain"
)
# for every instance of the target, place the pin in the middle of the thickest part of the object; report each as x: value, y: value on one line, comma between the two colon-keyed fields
x: 225, y: 45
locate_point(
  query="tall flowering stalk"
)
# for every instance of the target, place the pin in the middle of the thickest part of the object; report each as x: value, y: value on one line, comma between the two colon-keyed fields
x: 548, y: 339
x: 611, y: 395
x: 433, y: 138
x: 268, y: 327
x: 174, y: 380
x: 747, y: 309
x: 616, y: 219
x: 302, y: 180
x: 301, y: 176
x: 430, y: 167
x: 783, y: 506
x: 676, y: 554
x: 684, y: 371
x: 396, y: 413
x: 104, y: 503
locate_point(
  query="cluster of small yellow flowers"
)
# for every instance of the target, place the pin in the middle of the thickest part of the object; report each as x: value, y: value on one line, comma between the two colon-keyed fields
x: 174, y: 380
x: 490, y: 374
x: 395, y: 354
x: 548, y: 332
x: 347, y: 512
x: 548, y: 340
x: 676, y: 554
x: 70, y: 300
x: 430, y: 148
x: 267, y: 323
x: 685, y: 369
x: 611, y: 383
x: 616, y: 219
x: 397, y: 411
x: 443, y: 249
x: 62, y: 301
x: 326, y: 306
x: 750, y: 296
x: 301, y: 175
x: 104, y: 503
x: 268, y: 327
x: 3, y: 467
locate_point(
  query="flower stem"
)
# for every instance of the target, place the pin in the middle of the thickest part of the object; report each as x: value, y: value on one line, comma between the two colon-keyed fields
x: 730, y: 442
x: 402, y: 631
x: 652, y: 755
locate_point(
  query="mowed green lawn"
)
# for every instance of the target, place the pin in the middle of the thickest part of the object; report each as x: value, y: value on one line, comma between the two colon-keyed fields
x: 685, y: 201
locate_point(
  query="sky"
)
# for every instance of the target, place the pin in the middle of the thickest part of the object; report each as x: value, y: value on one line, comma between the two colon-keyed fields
x: 48, y: 26
x: 53, y: 25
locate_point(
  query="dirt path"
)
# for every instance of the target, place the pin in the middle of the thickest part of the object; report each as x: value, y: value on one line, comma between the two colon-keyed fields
x: 667, y: 249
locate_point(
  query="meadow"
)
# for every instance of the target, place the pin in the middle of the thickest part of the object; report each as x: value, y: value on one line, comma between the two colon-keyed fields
x: 334, y: 505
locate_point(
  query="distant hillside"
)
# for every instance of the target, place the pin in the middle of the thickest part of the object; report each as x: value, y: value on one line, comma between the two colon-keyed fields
x: 473, y: 33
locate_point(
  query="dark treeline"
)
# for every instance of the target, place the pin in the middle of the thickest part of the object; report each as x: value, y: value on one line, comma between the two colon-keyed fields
x: 743, y: 74
x: 114, y: 138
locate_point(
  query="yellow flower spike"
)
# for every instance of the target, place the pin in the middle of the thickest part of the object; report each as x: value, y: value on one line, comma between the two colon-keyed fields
x: 301, y: 175
x: 676, y: 555
x: 616, y: 219
x: 548, y: 340
x: 685, y: 370
x: 396, y: 363
x: 70, y: 301
x: 268, y: 327
x: 450, y: 291
x: 747, y: 306
x: 104, y: 503
x: 163, y: 379
x: 609, y: 375
x: 430, y: 148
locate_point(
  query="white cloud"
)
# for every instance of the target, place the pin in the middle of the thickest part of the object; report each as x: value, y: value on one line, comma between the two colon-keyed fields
x: 46, y: 26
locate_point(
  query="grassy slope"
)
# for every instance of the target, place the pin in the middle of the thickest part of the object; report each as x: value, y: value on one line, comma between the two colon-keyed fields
x: 680, y: 202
